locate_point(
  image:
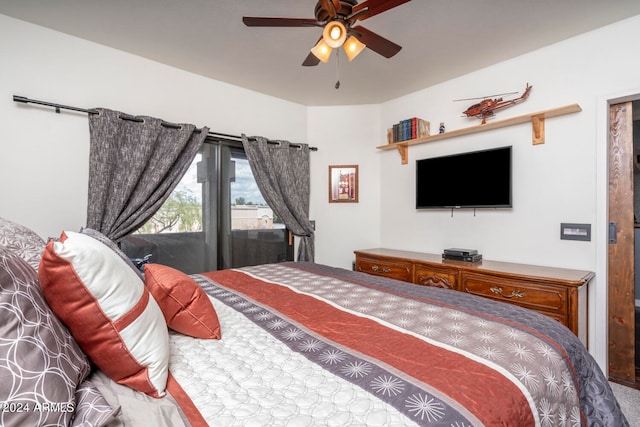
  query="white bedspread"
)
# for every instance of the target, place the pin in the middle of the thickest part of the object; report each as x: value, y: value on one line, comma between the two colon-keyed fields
x: 249, y: 378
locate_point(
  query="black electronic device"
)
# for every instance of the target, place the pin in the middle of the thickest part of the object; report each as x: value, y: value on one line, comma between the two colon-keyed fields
x: 460, y: 252
x: 478, y: 179
x: 465, y: 258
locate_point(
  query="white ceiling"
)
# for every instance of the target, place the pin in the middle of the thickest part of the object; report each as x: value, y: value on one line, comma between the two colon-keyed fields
x: 441, y: 39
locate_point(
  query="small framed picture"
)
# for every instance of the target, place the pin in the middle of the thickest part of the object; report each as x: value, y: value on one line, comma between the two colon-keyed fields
x: 343, y: 184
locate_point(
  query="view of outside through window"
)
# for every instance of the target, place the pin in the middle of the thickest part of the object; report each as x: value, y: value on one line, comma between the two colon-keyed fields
x: 182, y: 211
x: 249, y: 211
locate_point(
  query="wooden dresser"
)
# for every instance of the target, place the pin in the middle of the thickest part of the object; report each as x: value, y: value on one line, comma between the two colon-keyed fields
x: 556, y: 292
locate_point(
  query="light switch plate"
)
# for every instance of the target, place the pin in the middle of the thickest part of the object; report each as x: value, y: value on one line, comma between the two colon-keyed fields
x: 569, y: 231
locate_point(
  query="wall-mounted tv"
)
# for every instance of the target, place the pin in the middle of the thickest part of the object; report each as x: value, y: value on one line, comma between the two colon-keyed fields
x: 479, y: 179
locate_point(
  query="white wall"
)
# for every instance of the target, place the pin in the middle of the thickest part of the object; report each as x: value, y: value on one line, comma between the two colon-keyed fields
x: 44, y: 155
x: 563, y: 180
x: 345, y: 135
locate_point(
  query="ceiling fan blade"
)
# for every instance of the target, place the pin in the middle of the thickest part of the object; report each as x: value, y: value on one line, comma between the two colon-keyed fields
x: 262, y: 21
x: 375, y: 7
x: 377, y: 43
x: 311, y: 60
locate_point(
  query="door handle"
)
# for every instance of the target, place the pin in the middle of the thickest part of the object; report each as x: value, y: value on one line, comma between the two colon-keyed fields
x: 613, y: 232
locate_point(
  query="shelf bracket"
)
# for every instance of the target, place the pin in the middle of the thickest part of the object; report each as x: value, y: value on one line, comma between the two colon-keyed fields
x: 537, y: 129
x: 403, y: 149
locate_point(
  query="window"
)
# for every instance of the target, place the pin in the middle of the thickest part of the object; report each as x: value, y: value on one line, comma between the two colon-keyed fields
x: 215, y: 218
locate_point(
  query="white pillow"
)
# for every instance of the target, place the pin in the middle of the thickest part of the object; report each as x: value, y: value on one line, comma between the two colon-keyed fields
x: 108, y: 310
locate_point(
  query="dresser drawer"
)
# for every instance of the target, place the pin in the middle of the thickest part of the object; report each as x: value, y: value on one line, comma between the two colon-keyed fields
x: 440, y: 278
x: 387, y: 268
x: 525, y: 294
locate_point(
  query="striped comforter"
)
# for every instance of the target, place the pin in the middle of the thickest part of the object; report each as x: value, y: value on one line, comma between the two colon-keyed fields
x: 321, y: 345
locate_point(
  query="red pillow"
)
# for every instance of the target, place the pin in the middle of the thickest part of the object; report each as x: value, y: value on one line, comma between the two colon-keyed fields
x: 186, y: 307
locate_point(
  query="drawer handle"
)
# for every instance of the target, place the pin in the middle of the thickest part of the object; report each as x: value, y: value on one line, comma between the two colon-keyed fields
x: 384, y: 270
x: 435, y: 281
x: 516, y: 294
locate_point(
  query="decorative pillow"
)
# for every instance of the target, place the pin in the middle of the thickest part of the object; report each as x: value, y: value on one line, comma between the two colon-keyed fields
x: 108, y: 310
x: 22, y: 241
x: 41, y: 365
x: 186, y: 307
x: 113, y: 246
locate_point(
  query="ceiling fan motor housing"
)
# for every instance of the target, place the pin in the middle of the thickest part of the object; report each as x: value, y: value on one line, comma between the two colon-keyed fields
x: 346, y: 6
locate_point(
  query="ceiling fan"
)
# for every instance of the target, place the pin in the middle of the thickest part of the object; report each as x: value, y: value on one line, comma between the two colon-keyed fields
x: 337, y: 18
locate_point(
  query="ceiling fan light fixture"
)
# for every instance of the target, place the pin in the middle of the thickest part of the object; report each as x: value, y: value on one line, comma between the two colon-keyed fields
x: 353, y: 47
x: 334, y: 34
x: 322, y: 51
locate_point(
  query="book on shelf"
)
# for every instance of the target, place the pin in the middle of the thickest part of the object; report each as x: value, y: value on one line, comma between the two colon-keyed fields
x: 408, y: 129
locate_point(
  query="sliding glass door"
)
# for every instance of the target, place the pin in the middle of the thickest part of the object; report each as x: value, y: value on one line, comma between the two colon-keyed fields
x: 249, y: 231
x: 216, y: 218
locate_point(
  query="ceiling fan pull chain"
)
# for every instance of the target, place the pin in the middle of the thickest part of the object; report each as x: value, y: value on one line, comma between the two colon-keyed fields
x: 337, y: 86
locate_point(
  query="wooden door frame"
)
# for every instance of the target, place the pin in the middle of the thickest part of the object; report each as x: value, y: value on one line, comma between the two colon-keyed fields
x: 598, y: 298
x: 620, y: 252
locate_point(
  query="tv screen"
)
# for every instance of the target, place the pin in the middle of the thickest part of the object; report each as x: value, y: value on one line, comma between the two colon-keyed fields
x: 479, y: 179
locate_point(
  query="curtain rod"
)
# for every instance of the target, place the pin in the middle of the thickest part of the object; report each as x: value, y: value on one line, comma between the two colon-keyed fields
x: 58, y: 107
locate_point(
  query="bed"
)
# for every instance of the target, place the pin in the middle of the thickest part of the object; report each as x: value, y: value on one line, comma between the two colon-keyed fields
x: 295, y: 344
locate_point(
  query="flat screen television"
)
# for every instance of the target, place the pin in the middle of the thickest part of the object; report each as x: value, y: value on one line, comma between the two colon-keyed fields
x: 479, y: 179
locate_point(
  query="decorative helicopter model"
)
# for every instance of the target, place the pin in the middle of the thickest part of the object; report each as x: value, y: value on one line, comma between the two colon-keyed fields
x: 487, y: 107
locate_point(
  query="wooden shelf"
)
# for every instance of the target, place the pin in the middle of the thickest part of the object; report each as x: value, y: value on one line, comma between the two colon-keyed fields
x: 537, y: 129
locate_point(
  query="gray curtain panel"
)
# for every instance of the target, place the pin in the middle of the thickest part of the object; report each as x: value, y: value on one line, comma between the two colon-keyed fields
x: 283, y: 177
x: 134, y: 164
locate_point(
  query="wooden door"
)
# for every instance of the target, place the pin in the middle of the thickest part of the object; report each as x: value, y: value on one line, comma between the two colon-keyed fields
x: 621, y: 245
